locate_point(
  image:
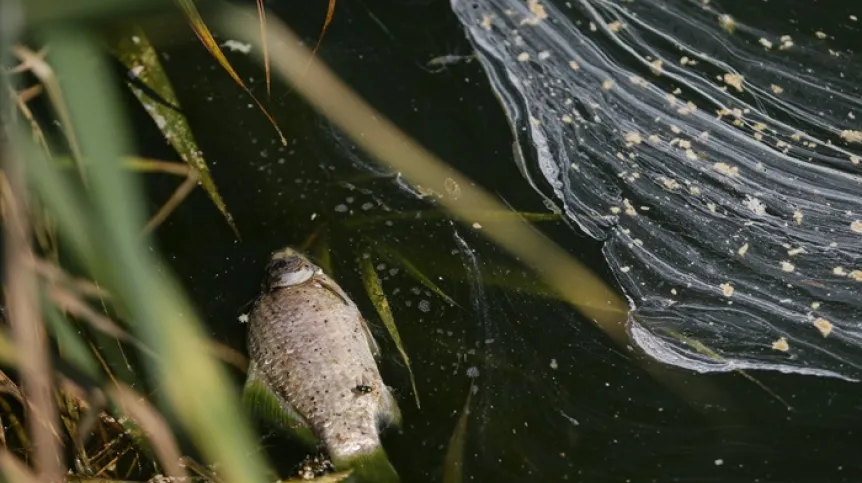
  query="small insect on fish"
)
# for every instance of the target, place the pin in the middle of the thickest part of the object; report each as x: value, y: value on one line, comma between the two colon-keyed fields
x: 313, y: 368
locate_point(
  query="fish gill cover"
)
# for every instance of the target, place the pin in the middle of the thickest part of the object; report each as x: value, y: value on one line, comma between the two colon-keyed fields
x: 717, y: 161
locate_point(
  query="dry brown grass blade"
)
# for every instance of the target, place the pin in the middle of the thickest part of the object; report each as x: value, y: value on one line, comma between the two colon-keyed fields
x: 26, y: 320
x: 26, y: 65
x: 14, y: 424
x: 203, y: 32
x: 55, y: 274
x: 229, y: 355
x: 70, y: 303
x: 149, y: 165
x: 173, y: 202
x: 154, y: 426
x: 45, y: 73
x: 207, y: 474
x: 38, y: 134
x: 453, y: 465
x: 330, y: 13
x: 261, y: 12
x: 15, y: 471
x: 31, y: 92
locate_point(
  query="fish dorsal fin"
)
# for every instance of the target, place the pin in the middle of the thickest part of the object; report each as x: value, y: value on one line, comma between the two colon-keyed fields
x: 369, y: 337
x: 261, y: 400
x: 328, y: 284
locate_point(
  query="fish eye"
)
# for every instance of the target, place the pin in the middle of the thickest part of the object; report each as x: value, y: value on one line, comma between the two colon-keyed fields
x: 278, y: 264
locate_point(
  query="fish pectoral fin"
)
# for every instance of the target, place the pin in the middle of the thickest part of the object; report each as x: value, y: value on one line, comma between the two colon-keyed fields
x: 390, y: 413
x: 328, y: 284
x: 370, y: 467
x: 262, y: 401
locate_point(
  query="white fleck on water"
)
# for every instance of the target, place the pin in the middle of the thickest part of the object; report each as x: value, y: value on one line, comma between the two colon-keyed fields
x: 237, y: 46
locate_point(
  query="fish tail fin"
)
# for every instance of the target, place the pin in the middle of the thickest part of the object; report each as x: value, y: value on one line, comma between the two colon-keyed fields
x: 372, y: 467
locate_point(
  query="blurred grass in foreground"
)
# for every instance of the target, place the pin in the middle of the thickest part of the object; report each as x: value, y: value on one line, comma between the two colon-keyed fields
x: 98, y: 212
x: 69, y: 386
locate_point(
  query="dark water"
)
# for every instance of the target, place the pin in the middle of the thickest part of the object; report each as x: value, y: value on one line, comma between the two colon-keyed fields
x: 554, y: 398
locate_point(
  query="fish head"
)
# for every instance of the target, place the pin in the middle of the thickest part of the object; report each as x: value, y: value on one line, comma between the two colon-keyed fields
x: 289, y: 268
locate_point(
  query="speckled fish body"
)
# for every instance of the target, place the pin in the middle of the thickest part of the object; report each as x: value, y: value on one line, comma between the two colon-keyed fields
x: 311, y: 348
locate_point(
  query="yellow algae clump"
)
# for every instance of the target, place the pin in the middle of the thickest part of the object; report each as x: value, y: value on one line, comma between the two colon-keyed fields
x: 726, y: 169
x: 781, y: 345
x: 538, y: 11
x: 851, y: 136
x: 734, y: 80
x: 823, y: 325
x: 727, y: 23
x: 634, y: 138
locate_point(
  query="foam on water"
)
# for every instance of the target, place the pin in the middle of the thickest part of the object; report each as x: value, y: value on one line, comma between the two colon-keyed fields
x: 718, y: 162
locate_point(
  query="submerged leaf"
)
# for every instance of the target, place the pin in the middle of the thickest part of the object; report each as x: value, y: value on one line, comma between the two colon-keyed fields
x: 381, y: 304
x: 139, y: 57
x: 393, y: 256
x: 454, y: 463
x: 206, y: 37
x: 702, y: 348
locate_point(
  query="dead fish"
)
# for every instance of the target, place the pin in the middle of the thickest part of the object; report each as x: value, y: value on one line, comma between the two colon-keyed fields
x: 313, y: 367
